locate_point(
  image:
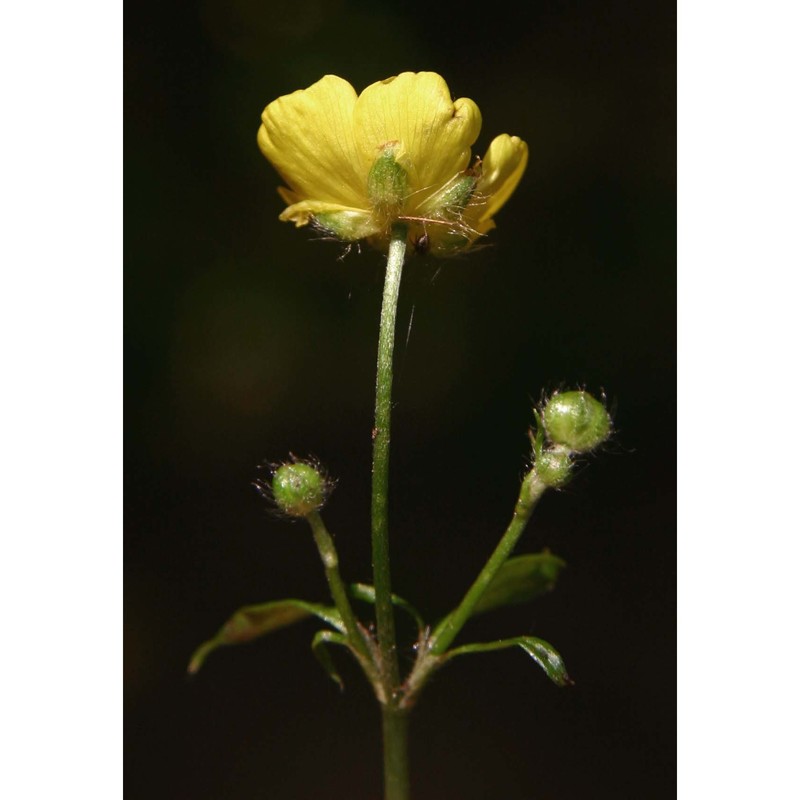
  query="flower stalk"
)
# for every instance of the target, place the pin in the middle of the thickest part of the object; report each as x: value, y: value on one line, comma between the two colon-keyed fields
x: 384, y: 611
x: 395, y: 727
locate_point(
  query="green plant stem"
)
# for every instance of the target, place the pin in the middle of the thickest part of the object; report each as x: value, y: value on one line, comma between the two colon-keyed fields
x: 395, y: 721
x: 330, y: 560
x: 531, y: 491
x: 395, y: 753
x: 384, y: 611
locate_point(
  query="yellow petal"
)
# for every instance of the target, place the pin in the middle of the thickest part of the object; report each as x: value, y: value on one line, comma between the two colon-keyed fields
x: 288, y: 196
x: 308, y: 136
x: 502, y: 168
x: 416, y: 110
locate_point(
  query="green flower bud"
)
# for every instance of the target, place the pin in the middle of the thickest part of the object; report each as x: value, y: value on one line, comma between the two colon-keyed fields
x: 387, y: 183
x: 299, y: 489
x: 576, y: 421
x: 554, y: 468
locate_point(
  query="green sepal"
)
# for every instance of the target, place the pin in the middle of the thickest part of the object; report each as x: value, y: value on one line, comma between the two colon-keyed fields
x: 387, y: 181
x: 543, y: 653
x: 537, y: 436
x: 521, y: 579
x: 250, y: 622
x: 319, y: 649
x: 449, y: 201
x: 365, y: 592
x: 349, y: 226
x: 554, y: 467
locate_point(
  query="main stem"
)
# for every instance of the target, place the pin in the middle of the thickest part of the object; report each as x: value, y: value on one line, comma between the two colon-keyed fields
x: 395, y: 731
x: 395, y: 754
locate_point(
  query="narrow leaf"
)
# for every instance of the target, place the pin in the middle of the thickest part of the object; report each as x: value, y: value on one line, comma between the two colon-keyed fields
x: 548, y: 658
x: 543, y: 653
x: 250, y: 622
x: 366, y: 593
x: 521, y: 579
x: 320, y: 650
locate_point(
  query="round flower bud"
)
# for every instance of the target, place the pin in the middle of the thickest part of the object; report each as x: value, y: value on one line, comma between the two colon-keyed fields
x: 576, y: 421
x: 299, y: 489
x: 554, y: 468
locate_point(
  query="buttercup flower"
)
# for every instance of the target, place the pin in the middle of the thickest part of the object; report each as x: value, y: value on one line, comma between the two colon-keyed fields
x: 354, y: 165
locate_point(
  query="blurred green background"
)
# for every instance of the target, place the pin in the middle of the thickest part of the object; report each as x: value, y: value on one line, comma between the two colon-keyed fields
x: 246, y: 339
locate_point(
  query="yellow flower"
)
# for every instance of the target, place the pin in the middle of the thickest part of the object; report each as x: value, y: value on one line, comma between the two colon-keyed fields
x: 354, y: 165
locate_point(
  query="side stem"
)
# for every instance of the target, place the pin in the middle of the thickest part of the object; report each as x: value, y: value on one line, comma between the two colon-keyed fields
x: 530, y: 493
x: 330, y: 560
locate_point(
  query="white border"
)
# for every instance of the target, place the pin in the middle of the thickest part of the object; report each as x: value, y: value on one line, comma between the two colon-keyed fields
x: 61, y: 399
x: 738, y: 399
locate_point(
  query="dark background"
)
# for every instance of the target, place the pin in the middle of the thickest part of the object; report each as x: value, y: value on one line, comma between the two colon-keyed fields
x: 247, y: 339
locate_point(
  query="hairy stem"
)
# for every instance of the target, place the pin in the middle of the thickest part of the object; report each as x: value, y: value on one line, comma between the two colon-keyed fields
x: 395, y: 721
x: 384, y: 611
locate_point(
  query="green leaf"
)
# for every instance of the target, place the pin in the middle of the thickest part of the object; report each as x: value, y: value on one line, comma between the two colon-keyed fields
x: 319, y: 649
x: 366, y: 593
x: 250, y: 622
x: 543, y: 653
x: 521, y: 579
